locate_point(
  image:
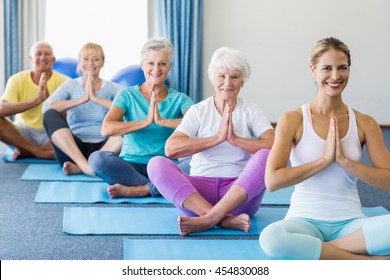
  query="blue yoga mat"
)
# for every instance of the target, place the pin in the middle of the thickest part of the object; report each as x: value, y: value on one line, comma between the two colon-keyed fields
x: 96, y: 192
x: 85, y: 192
x: 148, y: 221
x: 158, y: 220
x: 279, y: 197
x: 53, y: 172
x: 8, y: 153
x: 190, y: 249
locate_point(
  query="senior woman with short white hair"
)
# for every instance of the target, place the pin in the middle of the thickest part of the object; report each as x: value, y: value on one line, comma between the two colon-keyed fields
x: 145, y: 115
x: 229, y: 141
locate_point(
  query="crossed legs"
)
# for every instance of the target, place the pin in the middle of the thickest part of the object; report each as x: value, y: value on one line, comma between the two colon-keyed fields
x: 225, y: 202
x: 219, y: 214
x: 299, y: 239
x: 69, y: 145
x: 10, y: 135
x: 64, y: 140
x: 126, y: 179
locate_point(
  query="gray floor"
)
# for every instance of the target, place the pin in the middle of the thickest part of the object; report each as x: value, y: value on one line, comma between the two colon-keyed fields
x: 34, y: 231
x: 30, y: 231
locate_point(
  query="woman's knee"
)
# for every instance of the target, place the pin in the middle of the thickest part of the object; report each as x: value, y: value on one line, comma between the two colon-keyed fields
x: 270, y: 240
x: 98, y: 161
x: 50, y: 115
x: 161, y: 171
x: 291, y: 239
x: 261, y: 157
x: 52, y: 121
x: 157, y: 165
x: 252, y: 177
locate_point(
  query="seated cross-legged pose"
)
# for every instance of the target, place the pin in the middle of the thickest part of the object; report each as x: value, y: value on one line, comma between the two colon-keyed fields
x: 324, y: 140
x: 23, y: 98
x: 74, y: 113
x: 229, y: 141
x: 145, y: 115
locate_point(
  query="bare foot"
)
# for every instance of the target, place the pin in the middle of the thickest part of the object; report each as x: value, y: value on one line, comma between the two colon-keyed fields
x: 240, y: 222
x: 69, y: 168
x: 188, y: 225
x: 118, y: 191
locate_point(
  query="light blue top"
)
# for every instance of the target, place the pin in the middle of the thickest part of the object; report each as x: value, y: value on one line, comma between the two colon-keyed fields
x: 141, y: 145
x: 85, y: 120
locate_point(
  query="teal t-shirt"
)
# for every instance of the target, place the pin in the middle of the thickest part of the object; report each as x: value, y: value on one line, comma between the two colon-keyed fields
x: 140, y: 146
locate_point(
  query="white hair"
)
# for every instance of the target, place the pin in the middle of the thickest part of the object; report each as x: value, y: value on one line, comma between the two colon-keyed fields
x: 231, y: 59
x: 156, y: 44
x: 40, y: 43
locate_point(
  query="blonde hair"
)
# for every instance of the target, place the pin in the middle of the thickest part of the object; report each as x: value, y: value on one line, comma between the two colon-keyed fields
x: 326, y: 44
x: 91, y: 48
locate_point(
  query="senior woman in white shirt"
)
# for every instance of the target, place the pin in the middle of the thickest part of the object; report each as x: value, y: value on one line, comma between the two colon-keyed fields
x: 229, y: 141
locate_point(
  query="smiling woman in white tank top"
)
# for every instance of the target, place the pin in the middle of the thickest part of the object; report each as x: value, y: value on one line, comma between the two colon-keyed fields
x: 323, y: 141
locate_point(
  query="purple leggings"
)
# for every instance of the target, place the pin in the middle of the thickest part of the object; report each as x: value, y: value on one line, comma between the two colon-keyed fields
x: 176, y: 186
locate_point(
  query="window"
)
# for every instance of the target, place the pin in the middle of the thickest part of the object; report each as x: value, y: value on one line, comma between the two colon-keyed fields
x: 119, y: 26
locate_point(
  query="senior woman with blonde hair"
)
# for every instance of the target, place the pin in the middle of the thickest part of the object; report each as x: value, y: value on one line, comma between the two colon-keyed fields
x: 229, y: 141
x: 145, y: 115
x: 74, y: 113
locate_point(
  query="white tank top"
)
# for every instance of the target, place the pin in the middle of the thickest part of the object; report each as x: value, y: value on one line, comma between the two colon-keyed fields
x: 332, y: 193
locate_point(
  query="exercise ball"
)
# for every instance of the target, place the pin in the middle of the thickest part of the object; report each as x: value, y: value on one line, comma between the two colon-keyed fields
x: 67, y: 66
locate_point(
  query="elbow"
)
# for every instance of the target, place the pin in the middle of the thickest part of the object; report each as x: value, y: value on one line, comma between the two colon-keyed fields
x: 170, y: 150
x: 270, y: 187
x: 3, y: 111
x: 105, y: 133
x: 270, y: 183
x: 51, y: 105
x: 106, y: 130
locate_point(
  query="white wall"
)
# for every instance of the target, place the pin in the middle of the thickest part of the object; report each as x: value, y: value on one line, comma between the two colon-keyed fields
x: 277, y: 37
x: 119, y: 26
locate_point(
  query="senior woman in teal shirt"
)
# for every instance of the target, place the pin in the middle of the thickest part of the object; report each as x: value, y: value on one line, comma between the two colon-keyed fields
x: 145, y: 115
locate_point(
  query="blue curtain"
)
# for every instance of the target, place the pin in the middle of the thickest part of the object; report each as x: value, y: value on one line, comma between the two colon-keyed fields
x: 11, y: 44
x: 182, y: 23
